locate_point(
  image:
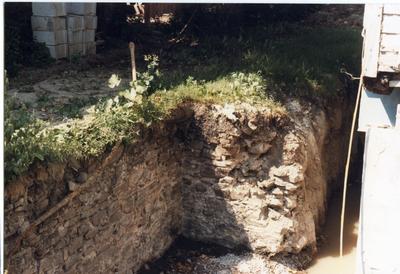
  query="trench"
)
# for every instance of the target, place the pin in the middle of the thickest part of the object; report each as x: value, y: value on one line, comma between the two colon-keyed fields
x: 187, y: 256
x: 327, y: 259
x: 157, y: 219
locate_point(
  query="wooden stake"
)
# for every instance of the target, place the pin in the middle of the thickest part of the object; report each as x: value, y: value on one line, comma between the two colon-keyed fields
x: 133, y: 62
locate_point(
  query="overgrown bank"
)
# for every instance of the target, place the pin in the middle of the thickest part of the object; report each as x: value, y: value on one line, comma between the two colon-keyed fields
x: 260, y: 67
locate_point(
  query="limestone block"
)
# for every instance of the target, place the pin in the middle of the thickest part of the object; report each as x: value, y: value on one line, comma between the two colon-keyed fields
x: 47, y: 23
x: 49, y: 9
x: 58, y: 51
x: 259, y: 148
x: 89, y: 36
x: 81, y: 8
x: 75, y: 22
x: 76, y: 36
x: 90, y: 22
x: 51, y: 38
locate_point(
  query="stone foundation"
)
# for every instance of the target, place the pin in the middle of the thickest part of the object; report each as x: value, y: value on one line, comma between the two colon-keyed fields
x: 232, y: 175
x: 255, y: 181
x: 129, y: 214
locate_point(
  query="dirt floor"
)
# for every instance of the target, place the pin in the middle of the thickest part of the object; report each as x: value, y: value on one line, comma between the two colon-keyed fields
x: 61, y: 89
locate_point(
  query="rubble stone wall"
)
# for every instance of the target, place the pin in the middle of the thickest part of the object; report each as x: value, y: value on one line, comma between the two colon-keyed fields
x: 130, y: 213
x: 257, y: 182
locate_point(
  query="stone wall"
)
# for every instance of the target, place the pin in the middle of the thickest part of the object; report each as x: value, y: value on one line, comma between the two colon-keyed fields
x: 255, y: 181
x: 128, y: 214
x: 235, y: 175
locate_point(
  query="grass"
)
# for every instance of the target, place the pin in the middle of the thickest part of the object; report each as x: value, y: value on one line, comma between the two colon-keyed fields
x: 235, y: 88
x: 261, y: 66
x: 295, y: 61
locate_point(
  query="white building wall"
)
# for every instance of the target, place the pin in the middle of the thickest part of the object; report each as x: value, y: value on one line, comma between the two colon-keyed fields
x: 381, y: 53
x: 381, y: 32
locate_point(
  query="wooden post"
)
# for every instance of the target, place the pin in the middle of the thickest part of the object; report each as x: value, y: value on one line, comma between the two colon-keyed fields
x: 133, y: 62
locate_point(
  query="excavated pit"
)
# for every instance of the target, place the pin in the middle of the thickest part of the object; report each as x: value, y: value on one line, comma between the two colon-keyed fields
x: 237, y: 176
x: 328, y: 260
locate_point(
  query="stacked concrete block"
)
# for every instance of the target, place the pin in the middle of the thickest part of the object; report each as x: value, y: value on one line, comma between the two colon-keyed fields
x: 48, y: 23
x: 56, y: 42
x: 90, y: 33
x: 52, y: 9
x: 52, y: 38
x: 90, y: 22
x: 49, y: 27
x: 81, y: 34
x: 81, y: 8
x: 67, y: 29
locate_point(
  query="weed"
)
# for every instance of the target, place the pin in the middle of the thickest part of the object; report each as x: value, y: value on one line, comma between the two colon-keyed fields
x: 73, y: 108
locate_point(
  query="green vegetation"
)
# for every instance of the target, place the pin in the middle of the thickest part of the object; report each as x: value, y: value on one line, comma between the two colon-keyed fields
x: 73, y: 108
x: 261, y: 66
x: 294, y: 61
x: 24, y: 138
x: 117, y: 119
x: 236, y: 87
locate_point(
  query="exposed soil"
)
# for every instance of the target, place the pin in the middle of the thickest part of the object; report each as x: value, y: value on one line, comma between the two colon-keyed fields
x: 50, y: 92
